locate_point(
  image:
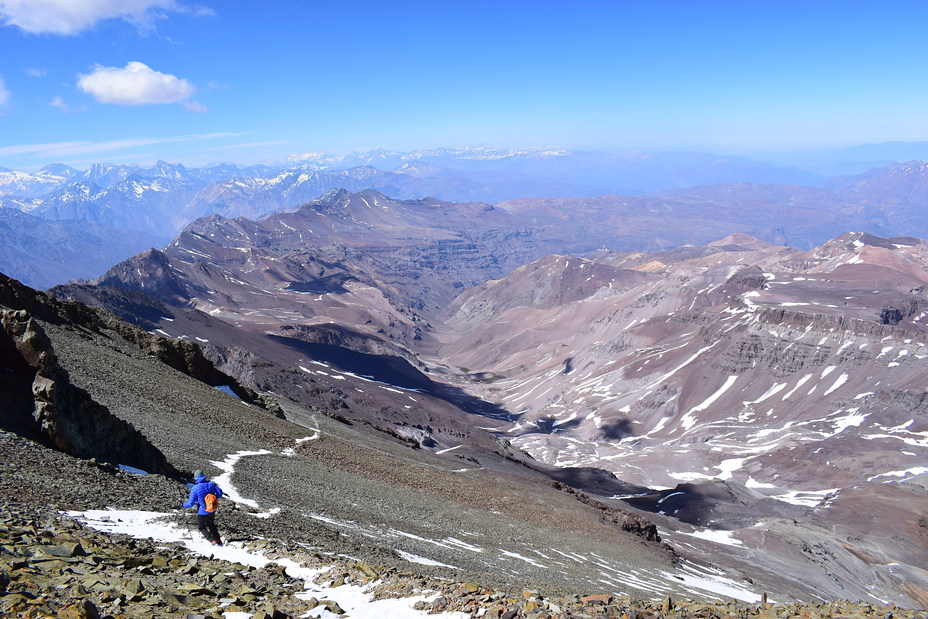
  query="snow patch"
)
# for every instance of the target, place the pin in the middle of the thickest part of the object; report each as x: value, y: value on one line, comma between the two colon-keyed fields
x: 689, y: 420
x: 805, y: 498
x: 357, y: 601
x: 225, y: 480
x: 841, y: 380
x: 516, y: 555
x: 726, y: 538
x: 412, y: 558
x: 906, y: 474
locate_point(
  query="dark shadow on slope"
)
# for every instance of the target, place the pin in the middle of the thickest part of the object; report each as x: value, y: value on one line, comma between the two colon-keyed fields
x: 391, y: 370
x: 475, y: 405
x: 617, y: 430
x: 595, y: 481
x: 550, y: 425
x: 381, y: 368
x: 331, y: 284
x: 16, y: 378
x: 719, y: 504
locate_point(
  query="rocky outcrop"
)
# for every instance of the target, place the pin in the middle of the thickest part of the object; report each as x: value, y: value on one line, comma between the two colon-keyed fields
x: 45, y: 406
x: 182, y: 355
x: 750, y: 278
x: 187, y: 357
x: 877, y: 328
x: 626, y: 521
x: 48, y: 408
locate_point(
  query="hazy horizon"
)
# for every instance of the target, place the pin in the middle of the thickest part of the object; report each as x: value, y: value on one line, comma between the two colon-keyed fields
x: 825, y: 162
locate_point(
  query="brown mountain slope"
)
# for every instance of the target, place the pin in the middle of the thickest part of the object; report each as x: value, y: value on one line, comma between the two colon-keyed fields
x: 759, y: 387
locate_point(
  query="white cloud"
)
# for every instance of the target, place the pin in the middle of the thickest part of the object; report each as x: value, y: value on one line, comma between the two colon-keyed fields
x: 68, y: 149
x: 135, y: 84
x: 195, y: 106
x: 35, y: 71
x: 62, y: 105
x: 70, y: 17
x: 4, y: 93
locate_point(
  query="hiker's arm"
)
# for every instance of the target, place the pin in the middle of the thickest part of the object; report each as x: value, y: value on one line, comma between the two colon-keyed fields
x: 192, y: 500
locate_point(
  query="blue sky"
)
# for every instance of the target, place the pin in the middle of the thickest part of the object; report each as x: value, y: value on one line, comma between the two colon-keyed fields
x: 197, y: 81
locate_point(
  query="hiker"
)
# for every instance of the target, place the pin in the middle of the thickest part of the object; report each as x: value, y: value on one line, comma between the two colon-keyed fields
x: 205, y: 495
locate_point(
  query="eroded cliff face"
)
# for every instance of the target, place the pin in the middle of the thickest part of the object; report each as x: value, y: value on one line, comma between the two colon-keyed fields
x: 46, y: 407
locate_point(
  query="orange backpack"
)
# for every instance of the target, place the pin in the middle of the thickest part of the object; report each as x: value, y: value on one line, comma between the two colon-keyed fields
x: 210, y: 503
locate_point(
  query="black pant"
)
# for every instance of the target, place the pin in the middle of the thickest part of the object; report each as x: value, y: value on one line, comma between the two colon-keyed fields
x: 206, y: 523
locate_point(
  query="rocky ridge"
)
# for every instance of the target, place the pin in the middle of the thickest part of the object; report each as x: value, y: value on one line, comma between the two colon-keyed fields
x: 43, y: 404
x: 33, y: 346
x: 126, y: 209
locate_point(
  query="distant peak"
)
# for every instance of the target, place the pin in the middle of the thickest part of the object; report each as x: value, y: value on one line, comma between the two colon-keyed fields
x: 740, y: 239
x: 333, y: 196
x: 418, y: 169
x: 330, y: 199
x: 153, y: 254
x: 168, y: 169
x: 371, y: 193
x: 859, y: 239
x: 854, y: 242
x: 59, y: 169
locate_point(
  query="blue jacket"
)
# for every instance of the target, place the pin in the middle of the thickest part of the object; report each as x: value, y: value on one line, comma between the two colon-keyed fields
x: 199, y: 491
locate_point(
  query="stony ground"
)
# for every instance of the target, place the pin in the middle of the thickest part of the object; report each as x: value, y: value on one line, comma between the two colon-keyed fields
x: 53, y: 566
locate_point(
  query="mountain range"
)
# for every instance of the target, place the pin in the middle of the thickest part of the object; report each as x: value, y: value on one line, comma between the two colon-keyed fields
x: 635, y: 194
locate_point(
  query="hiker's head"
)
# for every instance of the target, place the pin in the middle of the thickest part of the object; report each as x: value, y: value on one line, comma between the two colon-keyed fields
x: 198, y: 476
